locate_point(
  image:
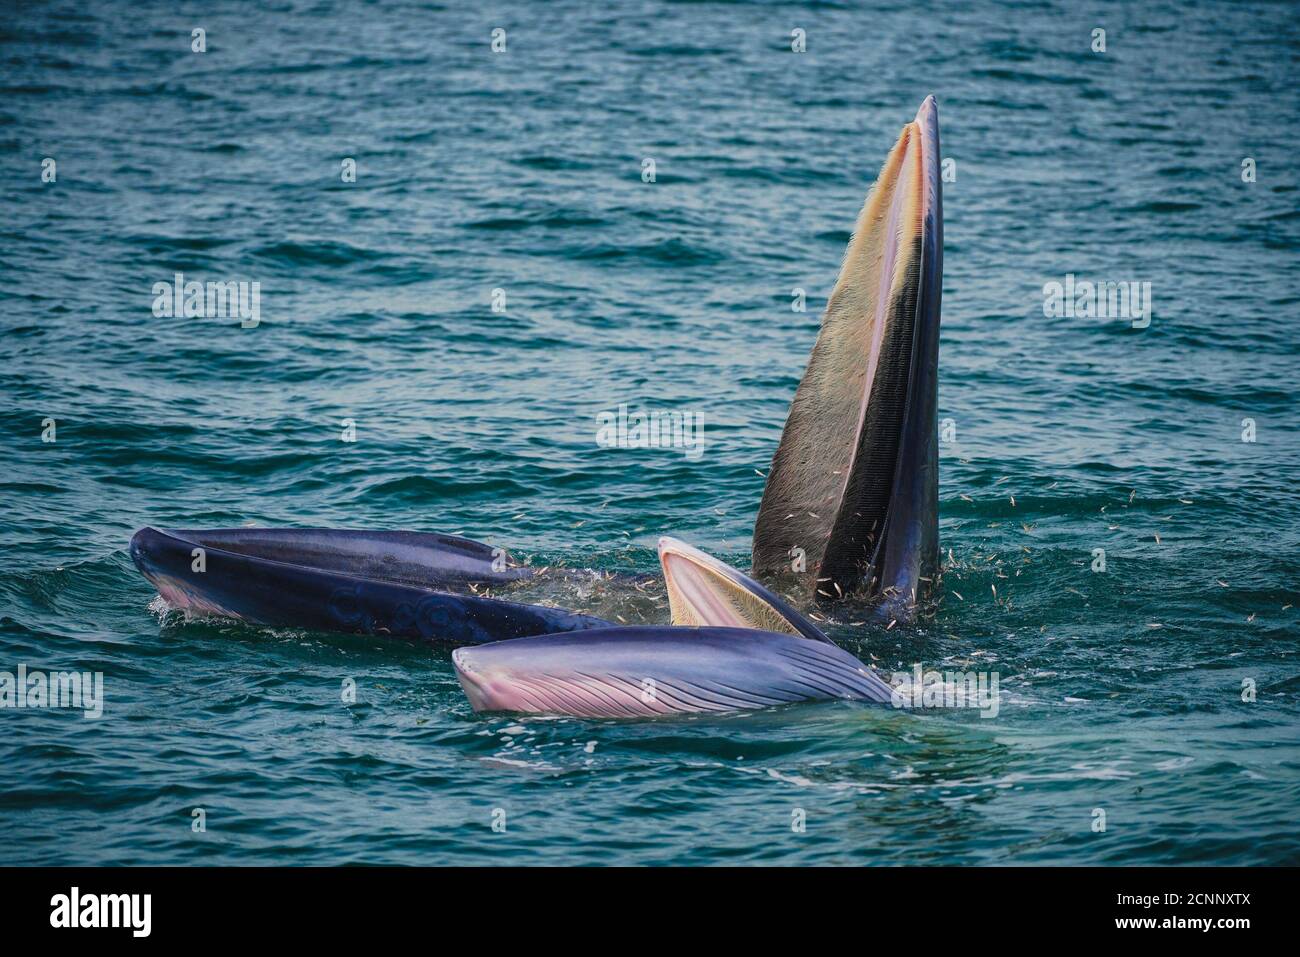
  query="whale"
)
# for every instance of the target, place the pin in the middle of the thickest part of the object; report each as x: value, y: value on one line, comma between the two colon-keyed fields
x: 849, y: 511
x: 420, y: 587
x: 649, y: 671
x: 850, y: 505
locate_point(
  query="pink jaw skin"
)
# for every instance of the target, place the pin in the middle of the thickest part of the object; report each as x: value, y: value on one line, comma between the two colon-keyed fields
x: 712, y: 609
x: 486, y: 693
x: 179, y: 596
x: 477, y: 690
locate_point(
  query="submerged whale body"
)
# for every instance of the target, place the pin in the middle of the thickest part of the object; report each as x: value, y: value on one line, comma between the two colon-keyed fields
x: 850, y: 508
x: 402, y: 584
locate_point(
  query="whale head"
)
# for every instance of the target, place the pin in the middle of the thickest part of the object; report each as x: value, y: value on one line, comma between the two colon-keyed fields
x: 851, y: 501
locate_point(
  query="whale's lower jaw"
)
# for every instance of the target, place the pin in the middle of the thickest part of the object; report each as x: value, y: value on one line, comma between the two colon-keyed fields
x: 631, y: 672
x: 703, y: 591
x: 851, y: 502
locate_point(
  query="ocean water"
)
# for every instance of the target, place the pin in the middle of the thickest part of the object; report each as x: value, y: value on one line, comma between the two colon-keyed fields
x: 1121, y: 691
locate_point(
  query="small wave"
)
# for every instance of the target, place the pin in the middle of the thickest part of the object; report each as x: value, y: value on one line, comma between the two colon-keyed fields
x: 320, y: 253
x: 557, y: 220
x: 1161, y: 207
x: 666, y: 252
x: 552, y: 163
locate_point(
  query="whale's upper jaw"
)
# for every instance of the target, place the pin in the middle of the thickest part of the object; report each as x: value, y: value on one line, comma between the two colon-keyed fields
x: 851, y: 502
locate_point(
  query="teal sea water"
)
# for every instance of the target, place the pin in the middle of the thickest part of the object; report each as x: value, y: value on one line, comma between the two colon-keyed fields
x: 1120, y: 691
